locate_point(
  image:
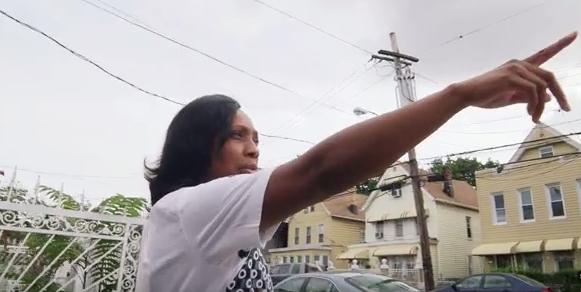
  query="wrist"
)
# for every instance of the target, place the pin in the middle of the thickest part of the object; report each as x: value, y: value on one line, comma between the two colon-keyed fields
x: 456, y: 96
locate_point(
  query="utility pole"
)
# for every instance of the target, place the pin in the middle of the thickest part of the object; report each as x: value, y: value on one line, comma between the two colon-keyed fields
x: 406, y: 91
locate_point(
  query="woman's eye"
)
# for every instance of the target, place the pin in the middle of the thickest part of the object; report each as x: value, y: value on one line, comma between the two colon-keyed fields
x: 237, y: 135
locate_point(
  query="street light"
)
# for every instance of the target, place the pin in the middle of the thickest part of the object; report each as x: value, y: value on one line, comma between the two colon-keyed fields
x: 359, y: 111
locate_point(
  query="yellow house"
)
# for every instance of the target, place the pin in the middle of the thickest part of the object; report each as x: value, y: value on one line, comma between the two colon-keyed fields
x: 323, y: 231
x: 391, y: 232
x: 530, y: 209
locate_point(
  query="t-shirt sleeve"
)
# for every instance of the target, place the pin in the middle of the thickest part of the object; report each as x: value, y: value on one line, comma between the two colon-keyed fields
x: 223, y: 216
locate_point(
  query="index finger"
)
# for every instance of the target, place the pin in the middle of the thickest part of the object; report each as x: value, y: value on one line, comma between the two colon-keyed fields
x: 547, y: 53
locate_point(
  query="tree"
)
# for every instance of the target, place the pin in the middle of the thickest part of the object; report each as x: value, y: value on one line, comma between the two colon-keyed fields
x: 462, y: 168
x: 367, y: 186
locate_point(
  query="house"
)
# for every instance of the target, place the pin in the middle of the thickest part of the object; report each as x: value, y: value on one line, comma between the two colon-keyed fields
x: 530, y: 208
x: 319, y: 233
x: 278, y: 240
x: 391, y: 231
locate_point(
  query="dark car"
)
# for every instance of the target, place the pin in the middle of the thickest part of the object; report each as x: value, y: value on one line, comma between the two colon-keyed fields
x: 283, y: 271
x: 343, y: 281
x: 497, y: 282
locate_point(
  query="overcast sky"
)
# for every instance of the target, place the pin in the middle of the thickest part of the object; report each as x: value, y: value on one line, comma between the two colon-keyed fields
x: 69, y: 122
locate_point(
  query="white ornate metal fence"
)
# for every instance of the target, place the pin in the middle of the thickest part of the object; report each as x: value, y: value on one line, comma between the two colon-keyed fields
x: 46, y: 249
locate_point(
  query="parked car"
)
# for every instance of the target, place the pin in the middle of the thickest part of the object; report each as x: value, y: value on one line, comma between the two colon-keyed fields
x: 342, y: 281
x: 497, y: 282
x: 283, y: 271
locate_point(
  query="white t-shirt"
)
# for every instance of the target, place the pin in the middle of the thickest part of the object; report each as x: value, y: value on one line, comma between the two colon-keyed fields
x: 194, y: 235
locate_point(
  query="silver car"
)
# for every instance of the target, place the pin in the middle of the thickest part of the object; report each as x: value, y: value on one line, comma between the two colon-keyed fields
x: 342, y: 281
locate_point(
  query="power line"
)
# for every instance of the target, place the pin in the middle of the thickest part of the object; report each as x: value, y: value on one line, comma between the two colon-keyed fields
x: 487, y: 26
x: 353, y: 96
x: 116, y: 76
x: 314, y: 27
x: 504, y: 132
x: 289, y: 122
x: 523, y: 143
x: 88, y: 60
x: 197, y: 51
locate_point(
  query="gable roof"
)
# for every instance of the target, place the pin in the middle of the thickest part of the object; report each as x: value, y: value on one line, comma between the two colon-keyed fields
x: 542, y: 131
x: 464, y: 193
x: 337, y: 206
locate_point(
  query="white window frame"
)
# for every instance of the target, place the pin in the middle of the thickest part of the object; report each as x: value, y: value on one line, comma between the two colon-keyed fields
x: 321, y: 231
x: 550, y: 206
x: 578, y: 186
x: 493, y: 205
x: 550, y: 147
x: 469, y: 228
x: 397, y: 223
x: 520, y: 205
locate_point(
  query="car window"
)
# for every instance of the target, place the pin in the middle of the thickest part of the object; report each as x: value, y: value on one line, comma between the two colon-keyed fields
x: 378, y: 283
x: 292, y: 285
x: 530, y: 281
x: 313, y: 269
x: 296, y: 269
x: 470, y: 282
x: 280, y: 269
x: 496, y: 281
x: 318, y: 285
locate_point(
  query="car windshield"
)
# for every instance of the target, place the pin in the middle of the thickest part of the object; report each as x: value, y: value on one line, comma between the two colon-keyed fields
x: 377, y: 283
x: 280, y: 269
x: 530, y: 281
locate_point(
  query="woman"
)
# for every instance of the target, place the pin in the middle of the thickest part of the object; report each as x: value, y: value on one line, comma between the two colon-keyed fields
x: 213, y: 208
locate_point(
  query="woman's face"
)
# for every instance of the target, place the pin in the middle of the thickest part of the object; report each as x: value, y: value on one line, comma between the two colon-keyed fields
x: 240, y: 152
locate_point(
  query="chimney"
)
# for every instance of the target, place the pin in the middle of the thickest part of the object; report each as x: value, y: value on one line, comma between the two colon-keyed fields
x: 448, y: 186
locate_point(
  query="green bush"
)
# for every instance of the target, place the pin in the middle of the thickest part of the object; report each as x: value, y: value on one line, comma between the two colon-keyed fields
x: 566, y: 280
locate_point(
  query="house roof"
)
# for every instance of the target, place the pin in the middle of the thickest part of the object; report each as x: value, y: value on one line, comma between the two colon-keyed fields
x: 464, y: 193
x: 542, y: 131
x: 338, y: 205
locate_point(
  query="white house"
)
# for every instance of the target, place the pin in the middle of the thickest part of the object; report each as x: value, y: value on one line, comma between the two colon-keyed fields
x: 391, y: 231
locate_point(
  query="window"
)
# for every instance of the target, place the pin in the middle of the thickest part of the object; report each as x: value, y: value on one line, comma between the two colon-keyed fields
x: 285, y: 259
x: 372, y: 282
x: 318, y: 285
x: 297, y: 230
x: 399, y: 228
x: 316, y: 259
x: 499, y: 215
x: 470, y: 282
x: 379, y: 229
x: 469, y: 227
x: 291, y: 285
x: 546, y: 151
x: 280, y: 269
x: 296, y: 269
x: 291, y: 259
x: 325, y: 260
x: 533, y: 261
x: 307, y: 259
x: 555, y: 197
x: 321, y: 233
x: 503, y: 261
x: 527, y: 212
x: 312, y: 209
x: 496, y: 282
x: 564, y: 260
x: 309, y: 235
x: 361, y: 234
x: 299, y: 259
x: 396, y: 193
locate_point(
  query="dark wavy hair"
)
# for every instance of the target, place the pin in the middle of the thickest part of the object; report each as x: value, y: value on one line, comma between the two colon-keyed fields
x: 195, y: 133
